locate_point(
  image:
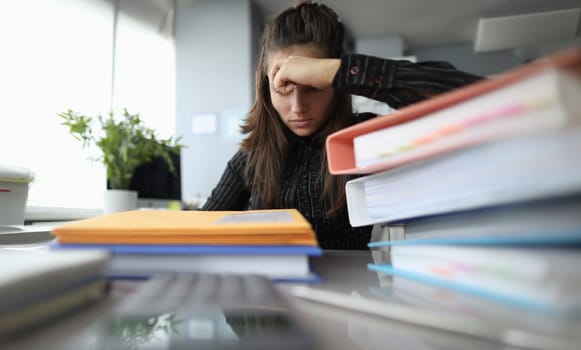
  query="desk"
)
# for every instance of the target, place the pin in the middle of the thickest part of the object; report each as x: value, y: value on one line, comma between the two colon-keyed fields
x: 335, y: 328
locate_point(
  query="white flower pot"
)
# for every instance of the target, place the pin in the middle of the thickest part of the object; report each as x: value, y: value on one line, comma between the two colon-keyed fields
x: 119, y: 200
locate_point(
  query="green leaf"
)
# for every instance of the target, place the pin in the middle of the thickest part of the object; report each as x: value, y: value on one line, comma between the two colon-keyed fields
x: 126, y: 143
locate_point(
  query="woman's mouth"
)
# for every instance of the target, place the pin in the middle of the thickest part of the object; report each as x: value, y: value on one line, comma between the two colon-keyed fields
x: 300, y: 123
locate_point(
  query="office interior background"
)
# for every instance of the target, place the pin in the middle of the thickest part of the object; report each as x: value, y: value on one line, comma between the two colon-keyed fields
x: 187, y: 66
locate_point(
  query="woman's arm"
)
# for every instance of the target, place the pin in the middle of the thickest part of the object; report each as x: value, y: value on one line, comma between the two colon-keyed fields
x: 230, y: 193
x: 396, y: 82
x: 315, y: 72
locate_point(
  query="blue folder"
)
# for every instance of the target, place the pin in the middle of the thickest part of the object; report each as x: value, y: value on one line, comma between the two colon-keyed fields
x: 519, y: 301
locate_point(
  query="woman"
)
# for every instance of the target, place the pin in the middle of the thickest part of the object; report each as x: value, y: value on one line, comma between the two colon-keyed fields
x: 304, y: 83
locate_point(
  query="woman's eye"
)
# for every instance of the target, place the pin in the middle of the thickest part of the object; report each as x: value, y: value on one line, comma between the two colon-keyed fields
x: 280, y: 92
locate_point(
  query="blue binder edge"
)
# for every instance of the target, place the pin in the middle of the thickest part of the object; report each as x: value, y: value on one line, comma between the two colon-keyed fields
x: 549, y: 309
x: 561, y: 238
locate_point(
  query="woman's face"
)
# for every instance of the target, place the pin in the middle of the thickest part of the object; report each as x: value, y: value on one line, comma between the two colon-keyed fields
x: 305, y: 109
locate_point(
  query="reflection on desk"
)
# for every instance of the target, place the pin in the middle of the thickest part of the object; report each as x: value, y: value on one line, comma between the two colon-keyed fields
x: 205, y: 311
x: 335, y: 327
x: 424, y: 296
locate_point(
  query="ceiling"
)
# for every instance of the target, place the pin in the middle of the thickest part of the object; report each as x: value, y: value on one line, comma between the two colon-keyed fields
x: 422, y: 23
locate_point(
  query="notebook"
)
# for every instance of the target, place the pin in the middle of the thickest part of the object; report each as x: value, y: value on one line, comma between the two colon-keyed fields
x: 275, y: 243
x: 257, y: 227
x: 37, y: 287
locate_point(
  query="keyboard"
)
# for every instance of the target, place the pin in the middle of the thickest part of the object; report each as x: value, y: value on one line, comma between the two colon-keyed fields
x: 206, y: 290
x: 206, y: 311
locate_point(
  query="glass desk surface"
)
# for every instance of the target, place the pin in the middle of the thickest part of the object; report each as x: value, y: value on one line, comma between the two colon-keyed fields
x: 342, y: 322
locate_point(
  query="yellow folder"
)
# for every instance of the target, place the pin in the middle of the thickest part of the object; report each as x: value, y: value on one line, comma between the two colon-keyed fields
x: 254, y: 227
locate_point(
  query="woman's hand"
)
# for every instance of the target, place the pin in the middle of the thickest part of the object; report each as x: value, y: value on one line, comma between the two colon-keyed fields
x: 307, y: 71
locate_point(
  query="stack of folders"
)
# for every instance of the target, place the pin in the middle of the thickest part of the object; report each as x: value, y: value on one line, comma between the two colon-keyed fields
x: 38, y: 287
x: 275, y: 243
x: 486, y: 183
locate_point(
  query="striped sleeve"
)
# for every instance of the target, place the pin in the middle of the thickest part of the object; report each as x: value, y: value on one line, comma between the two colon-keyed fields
x: 398, y: 83
x: 231, y: 192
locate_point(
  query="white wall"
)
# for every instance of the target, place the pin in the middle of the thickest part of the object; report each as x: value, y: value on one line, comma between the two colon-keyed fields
x: 214, y: 74
x: 388, y: 46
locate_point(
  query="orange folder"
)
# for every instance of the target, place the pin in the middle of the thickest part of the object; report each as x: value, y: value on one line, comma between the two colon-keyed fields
x: 340, y: 149
x: 254, y: 227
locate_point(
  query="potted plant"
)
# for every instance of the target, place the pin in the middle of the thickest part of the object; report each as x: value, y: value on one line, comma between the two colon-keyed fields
x: 125, y: 143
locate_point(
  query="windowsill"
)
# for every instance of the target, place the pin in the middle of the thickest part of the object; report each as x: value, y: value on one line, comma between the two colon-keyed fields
x: 35, y: 214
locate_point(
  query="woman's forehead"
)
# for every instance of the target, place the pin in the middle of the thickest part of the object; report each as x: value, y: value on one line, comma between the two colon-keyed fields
x: 307, y: 50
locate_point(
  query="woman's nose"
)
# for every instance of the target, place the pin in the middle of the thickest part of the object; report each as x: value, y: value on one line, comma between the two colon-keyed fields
x: 298, y: 100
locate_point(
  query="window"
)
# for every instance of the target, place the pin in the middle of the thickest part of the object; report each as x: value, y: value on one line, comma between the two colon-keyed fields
x: 58, y: 55
x: 145, y: 73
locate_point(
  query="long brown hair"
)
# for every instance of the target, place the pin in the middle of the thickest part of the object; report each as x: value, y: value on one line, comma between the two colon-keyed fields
x: 266, y: 143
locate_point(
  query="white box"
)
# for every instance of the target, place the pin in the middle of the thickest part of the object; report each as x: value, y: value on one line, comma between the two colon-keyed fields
x: 14, y: 183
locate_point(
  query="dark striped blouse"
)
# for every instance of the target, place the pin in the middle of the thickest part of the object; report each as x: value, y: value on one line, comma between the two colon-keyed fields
x: 399, y: 83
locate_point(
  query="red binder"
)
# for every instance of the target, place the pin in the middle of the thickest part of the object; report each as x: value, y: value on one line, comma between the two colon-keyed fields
x: 340, y: 146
